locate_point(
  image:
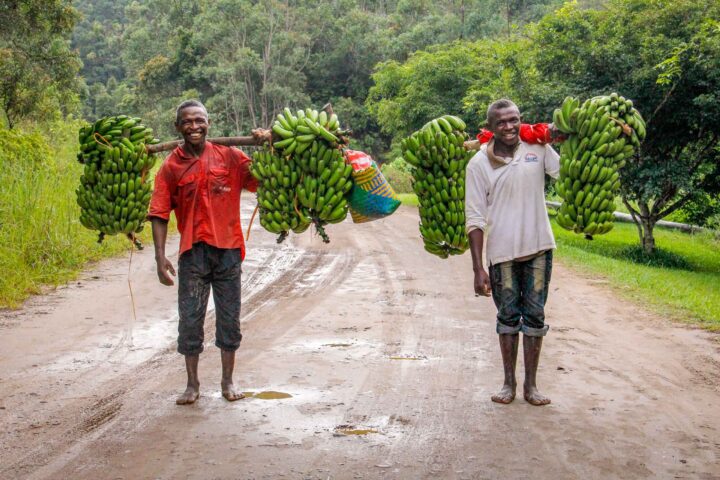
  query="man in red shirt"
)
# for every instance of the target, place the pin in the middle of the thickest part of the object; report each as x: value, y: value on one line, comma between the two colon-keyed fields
x: 201, y: 182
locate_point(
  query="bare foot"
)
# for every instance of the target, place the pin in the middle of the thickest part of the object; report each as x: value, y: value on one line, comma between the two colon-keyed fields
x: 506, y: 395
x: 534, y: 397
x: 229, y: 392
x: 190, y: 395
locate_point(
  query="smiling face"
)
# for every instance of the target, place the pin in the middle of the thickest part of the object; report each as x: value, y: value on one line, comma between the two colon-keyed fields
x: 193, y: 125
x: 504, y: 123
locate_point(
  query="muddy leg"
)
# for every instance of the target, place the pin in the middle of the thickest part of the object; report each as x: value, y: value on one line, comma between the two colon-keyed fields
x: 228, y: 365
x: 509, y: 350
x: 531, y: 351
x: 192, y: 392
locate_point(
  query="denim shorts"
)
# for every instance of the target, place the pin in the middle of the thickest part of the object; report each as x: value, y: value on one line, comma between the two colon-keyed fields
x: 202, y: 267
x: 519, y: 290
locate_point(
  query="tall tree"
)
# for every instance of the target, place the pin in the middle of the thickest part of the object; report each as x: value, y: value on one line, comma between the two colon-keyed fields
x: 460, y: 78
x: 254, y: 64
x: 666, y: 57
x: 37, y: 67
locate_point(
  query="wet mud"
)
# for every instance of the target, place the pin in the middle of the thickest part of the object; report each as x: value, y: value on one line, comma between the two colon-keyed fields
x: 365, y: 358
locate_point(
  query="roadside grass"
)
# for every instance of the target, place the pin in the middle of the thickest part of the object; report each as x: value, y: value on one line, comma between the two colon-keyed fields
x: 408, y: 199
x: 398, y: 176
x: 42, y: 243
x: 680, y: 280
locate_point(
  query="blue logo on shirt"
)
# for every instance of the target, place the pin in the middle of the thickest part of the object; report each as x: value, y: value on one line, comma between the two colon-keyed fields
x: 531, y: 158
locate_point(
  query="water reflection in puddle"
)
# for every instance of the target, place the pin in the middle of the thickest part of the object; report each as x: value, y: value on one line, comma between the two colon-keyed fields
x: 267, y: 395
x: 351, y: 430
x: 408, y: 357
x: 326, y: 344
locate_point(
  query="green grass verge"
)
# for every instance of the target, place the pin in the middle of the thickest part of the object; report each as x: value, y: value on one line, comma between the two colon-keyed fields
x: 41, y: 240
x: 398, y: 177
x: 408, y: 199
x: 681, y: 280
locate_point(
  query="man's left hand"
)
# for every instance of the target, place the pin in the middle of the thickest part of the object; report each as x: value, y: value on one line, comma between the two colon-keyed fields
x: 482, y: 284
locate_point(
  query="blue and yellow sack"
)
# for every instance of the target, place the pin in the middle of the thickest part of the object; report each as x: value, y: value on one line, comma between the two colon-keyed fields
x: 371, y: 197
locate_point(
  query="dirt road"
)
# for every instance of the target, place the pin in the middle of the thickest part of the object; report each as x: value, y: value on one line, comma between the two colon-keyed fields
x: 388, y: 360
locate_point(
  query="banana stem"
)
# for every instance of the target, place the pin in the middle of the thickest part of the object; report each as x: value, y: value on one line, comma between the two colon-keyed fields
x: 135, y: 241
x: 321, y: 230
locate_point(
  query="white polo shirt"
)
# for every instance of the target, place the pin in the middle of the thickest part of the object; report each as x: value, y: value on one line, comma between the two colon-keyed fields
x: 507, y: 201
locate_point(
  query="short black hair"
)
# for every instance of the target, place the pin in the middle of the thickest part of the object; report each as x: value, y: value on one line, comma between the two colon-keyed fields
x: 187, y: 104
x: 498, y: 105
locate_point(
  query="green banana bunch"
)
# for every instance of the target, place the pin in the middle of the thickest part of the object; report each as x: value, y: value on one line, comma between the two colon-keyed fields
x: 276, y: 193
x: 438, y: 157
x: 114, y: 191
x: 603, y: 133
x: 113, y: 129
x: 303, y: 179
x: 298, y: 132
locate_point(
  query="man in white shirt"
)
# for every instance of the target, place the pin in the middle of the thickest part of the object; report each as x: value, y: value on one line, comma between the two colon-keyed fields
x: 505, y: 203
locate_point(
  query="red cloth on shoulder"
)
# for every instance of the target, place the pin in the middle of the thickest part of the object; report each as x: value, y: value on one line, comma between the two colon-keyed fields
x: 538, y: 133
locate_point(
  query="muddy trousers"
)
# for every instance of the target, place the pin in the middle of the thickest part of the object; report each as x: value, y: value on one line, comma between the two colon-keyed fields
x: 520, y: 290
x: 199, y: 269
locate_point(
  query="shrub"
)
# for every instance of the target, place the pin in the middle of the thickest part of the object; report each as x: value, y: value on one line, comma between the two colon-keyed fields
x: 398, y: 175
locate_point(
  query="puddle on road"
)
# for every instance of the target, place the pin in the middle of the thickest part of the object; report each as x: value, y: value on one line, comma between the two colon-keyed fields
x: 408, y: 357
x: 327, y: 344
x: 351, y: 430
x: 267, y: 395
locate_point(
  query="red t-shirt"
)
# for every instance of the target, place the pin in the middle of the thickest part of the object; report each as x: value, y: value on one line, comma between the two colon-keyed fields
x: 205, y: 195
x: 535, y: 133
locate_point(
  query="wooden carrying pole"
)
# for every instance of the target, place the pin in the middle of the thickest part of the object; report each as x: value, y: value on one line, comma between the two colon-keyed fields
x: 227, y: 141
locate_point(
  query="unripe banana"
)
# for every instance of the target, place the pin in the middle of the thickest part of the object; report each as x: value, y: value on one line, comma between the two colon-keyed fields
x: 311, y: 182
x: 438, y: 160
x: 112, y: 203
x: 608, y: 129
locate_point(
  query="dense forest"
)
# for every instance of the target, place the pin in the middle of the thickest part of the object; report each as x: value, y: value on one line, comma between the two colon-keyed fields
x: 249, y: 59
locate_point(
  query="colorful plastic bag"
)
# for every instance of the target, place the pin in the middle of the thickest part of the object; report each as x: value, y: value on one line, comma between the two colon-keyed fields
x: 371, y: 197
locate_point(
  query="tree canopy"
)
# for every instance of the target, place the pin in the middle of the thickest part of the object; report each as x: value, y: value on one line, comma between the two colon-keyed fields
x: 38, y: 69
x: 248, y: 59
x: 663, y: 55
x: 666, y: 57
